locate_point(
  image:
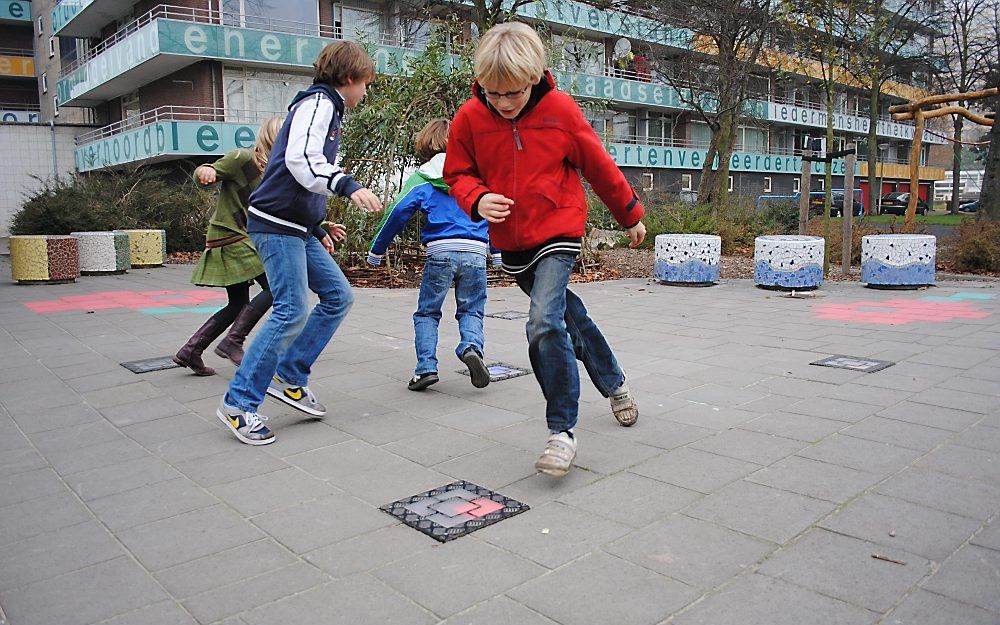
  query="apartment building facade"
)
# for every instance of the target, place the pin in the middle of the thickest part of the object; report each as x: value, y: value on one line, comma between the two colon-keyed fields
x: 194, y: 78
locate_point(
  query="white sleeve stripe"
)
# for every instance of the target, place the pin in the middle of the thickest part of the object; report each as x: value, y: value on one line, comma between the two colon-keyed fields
x: 333, y: 181
x: 304, y: 155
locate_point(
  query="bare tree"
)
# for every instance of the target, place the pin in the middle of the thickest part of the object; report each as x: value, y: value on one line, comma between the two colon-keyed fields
x: 989, y: 199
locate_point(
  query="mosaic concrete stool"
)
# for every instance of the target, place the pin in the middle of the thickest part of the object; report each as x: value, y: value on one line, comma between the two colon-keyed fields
x: 147, y: 247
x: 687, y: 259
x: 788, y: 261
x: 904, y: 261
x: 103, y: 253
x: 44, y: 259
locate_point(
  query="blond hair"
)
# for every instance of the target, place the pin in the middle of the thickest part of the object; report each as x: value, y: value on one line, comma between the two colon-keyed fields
x: 510, y: 54
x: 265, y: 140
x: 432, y: 138
x: 342, y: 62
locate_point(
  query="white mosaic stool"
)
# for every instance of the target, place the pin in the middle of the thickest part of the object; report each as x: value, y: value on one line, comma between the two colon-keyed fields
x: 103, y: 253
x: 148, y: 248
x: 788, y: 261
x: 687, y: 259
x: 898, y: 260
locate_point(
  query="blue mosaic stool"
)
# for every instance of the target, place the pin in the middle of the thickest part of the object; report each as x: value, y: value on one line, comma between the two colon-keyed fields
x: 687, y: 259
x: 903, y: 261
x: 788, y: 261
x: 103, y: 253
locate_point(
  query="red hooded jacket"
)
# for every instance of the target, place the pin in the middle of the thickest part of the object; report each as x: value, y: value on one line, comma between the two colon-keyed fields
x: 533, y: 160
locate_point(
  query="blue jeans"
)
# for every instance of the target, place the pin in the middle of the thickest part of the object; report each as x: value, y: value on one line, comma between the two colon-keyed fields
x: 467, y: 270
x: 559, y: 333
x: 292, y: 338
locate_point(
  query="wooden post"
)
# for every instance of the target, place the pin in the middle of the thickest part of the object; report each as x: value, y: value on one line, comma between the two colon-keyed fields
x: 848, y: 214
x: 804, y: 188
x: 918, y: 136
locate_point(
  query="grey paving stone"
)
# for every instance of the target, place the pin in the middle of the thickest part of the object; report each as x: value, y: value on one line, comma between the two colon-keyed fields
x: 816, y: 479
x: 143, y: 410
x: 230, y: 600
x: 978, y: 500
x: 74, y: 460
x: 693, y: 551
x: 150, y: 503
x: 359, y: 599
x: 540, y: 488
x: 964, y: 462
x: 457, y: 575
x: 770, y: 403
x: 271, y: 491
x: 933, y: 416
x: 856, y: 453
x: 959, y: 400
x: 314, y: 524
x: 121, y: 584
x: 630, y: 499
x: 588, y: 592
x: 383, y: 428
x: 136, y: 391
x: 108, y: 378
x: 925, y: 608
x: 761, y: 600
x: 843, y: 567
x: 722, y: 393
x: 902, y: 525
x: 795, y: 426
x: 792, y: 387
x: 553, y: 534
x: 868, y: 394
x: 163, y: 613
x: 480, y: 420
x: 55, y: 553
x: 970, y: 576
x: 152, y: 433
x: 188, y: 536
x: 755, y: 447
x: 989, y: 536
x: 499, y: 611
x: 900, y: 433
x: 21, y: 459
x: 980, y: 437
x: 437, y: 444
x: 26, y: 519
x: 198, y: 446
x: 951, y: 356
x: 72, y: 414
x: 92, y: 433
x: 658, y: 431
x: 695, y: 470
x: 18, y: 487
x: 709, y: 416
x: 226, y: 567
x: 497, y: 466
x: 768, y: 513
x: 120, y: 477
x: 836, y: 409
x: 369, y: 551
x: 966, y: 382
x: 232, y: 463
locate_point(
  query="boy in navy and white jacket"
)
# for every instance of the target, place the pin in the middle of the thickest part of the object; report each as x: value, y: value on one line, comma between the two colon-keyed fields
x: 284, y: 222
x: 456, y: 253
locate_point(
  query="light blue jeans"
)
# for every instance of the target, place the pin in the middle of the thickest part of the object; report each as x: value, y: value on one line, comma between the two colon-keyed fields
x: 559, y: 333
x: 467, y: 270
x: 292, y: 338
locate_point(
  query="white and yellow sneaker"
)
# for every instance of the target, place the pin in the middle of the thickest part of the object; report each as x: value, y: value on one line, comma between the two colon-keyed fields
x: 298, y: 397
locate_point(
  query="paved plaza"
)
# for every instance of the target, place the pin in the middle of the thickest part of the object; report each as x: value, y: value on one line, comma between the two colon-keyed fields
x: 756, y: 488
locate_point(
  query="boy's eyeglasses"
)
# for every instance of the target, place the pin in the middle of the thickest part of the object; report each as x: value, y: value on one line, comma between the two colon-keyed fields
x: 510, y: 95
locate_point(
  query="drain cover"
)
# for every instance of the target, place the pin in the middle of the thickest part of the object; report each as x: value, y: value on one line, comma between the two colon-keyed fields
x: 150, y: 364
x: 854, y: 363
x: 454, y: 510
x: 508, y: 314
x: 499, y: 371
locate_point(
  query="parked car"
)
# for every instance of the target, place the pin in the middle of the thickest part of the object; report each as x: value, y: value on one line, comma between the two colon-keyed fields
x: 818, y: 198
x: 895, y: 203
x: 969, y: 207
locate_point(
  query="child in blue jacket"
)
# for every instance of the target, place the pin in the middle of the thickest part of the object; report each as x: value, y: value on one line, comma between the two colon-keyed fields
x: 456, y: 253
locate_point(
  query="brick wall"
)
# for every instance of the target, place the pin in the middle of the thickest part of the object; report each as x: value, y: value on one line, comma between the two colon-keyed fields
x: 191, y: 86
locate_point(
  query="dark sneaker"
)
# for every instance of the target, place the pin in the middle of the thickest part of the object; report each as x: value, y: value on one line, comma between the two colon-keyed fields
x: 422, y: 381
x: 558, y: 455
x: 298, y: 397
x: 477, y: 368
x: 248, y: 427
x: 624, y: 407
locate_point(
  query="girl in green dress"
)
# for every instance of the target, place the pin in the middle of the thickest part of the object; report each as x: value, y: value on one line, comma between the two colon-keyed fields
x: 230, y: 259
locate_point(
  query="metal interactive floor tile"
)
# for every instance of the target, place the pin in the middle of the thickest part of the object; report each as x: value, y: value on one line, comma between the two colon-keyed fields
x: 454, y: 510
x: 499, y: 371
x: 150, y: 364
x: 509, y: 315
x: 854, y: 363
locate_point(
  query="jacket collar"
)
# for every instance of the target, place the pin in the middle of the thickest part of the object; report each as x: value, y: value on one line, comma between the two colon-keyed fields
x: 321, y: 87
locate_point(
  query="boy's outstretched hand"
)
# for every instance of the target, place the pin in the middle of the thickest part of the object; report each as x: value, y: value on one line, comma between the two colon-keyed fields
x: 494, y: 207
x: 337, y: 234
x: 636, y: 234
x: 206, y: 174
x: 367, y: 200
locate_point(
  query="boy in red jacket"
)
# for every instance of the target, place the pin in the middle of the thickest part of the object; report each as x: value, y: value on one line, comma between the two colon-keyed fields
x: 513, y: 155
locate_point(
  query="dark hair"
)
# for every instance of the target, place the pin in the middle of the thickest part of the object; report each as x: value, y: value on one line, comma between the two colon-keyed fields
x: 341, y: 62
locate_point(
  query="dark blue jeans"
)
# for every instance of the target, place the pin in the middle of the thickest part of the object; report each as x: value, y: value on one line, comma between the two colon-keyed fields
x: 467, y: 270
x: 292, y: 337
x: 559, y: 333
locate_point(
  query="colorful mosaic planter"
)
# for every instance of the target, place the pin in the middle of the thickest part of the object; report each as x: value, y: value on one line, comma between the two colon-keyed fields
x: 788, y: 261
x: 44, y: 259
x: 898, y: 260
x: 147, y: 247
x: 687, y: 259
x: 103, y: 253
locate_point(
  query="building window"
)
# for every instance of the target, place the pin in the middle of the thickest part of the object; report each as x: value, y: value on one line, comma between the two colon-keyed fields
x: 354, y: 22
x: 130, y: 106
x: 291, y: 16
x: 730, y: 184
x: 52, y: 47
x: 249, y: 92
x: 55, y: 106
x: 39, y: 26
x: 647, y: 182
x: 45, y: 82
x: 767, y: 184
x: 686, y: 182
x: 796, y: 185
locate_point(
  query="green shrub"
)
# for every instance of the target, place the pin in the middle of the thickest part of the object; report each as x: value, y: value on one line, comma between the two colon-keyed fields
x: 128, y: 198
x: 973, y: 248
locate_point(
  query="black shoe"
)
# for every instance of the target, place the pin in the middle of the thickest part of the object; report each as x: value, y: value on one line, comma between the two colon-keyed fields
x: 422, y: 381
x: 477, y: 368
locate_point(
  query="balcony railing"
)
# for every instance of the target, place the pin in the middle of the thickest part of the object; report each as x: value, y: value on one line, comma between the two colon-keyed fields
x: 177, y: 113
x: 19, y: 106
x: 20, y: 52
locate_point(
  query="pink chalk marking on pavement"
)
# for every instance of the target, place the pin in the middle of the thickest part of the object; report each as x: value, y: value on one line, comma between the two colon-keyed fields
x: 486, y: 506
x: 896, y: 312
x: 132, y: 300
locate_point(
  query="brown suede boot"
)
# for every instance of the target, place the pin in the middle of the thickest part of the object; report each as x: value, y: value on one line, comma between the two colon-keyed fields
x: 190, y: 354
x: 231, y: 346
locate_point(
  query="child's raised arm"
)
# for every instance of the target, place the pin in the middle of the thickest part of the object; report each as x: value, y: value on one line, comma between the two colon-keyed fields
x: 410, y: 199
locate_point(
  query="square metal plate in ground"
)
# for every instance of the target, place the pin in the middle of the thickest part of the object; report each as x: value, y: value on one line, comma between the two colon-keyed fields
x: 509, y: 315
x: 854, y: 363
x: 499, y: 371
x: 150, y: 364
x: 454, y: 510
